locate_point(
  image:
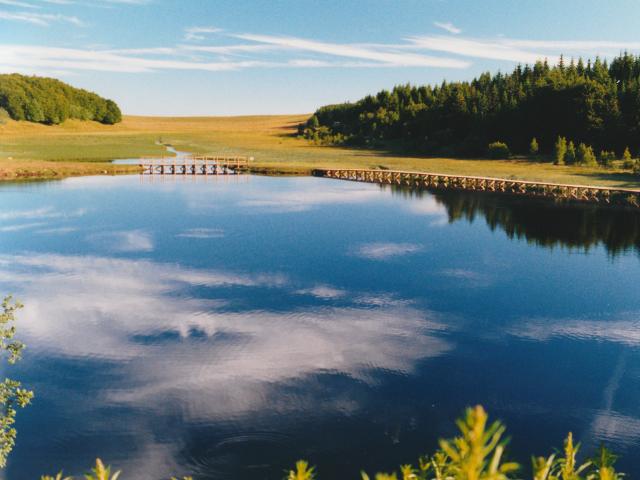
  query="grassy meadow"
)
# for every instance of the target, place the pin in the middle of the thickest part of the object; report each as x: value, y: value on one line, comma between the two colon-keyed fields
x: 29, y: 150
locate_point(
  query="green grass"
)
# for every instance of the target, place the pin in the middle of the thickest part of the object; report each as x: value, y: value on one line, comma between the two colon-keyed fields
x: 66, y: 150
x: 86, y: 148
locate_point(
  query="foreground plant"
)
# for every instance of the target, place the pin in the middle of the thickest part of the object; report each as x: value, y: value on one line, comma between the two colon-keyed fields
x: 99, y: 472
x: 57, y: 477
x: 475, y: 454
x: 12, y: 395
x: 302, y: 472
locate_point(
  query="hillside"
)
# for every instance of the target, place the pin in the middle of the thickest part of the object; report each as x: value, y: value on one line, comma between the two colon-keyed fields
x: 50, y: 101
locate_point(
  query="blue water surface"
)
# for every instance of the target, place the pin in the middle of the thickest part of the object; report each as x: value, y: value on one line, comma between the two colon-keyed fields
x: 226, y: 327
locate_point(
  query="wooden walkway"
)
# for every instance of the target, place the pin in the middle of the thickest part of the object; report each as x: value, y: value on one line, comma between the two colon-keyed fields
x: 195, y: 165
x: 439, y: 181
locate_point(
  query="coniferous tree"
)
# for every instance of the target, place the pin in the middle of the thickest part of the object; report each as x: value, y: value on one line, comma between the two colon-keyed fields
x: 533, y: 146
x: 560, y: 150
x: 594, y: 103
x: 607, y: 158
x: 627, y: 160
x: 570, y: 154
x: 585, y: 156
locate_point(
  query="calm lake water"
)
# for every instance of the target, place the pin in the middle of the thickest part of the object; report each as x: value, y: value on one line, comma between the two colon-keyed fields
x: 226, y: 327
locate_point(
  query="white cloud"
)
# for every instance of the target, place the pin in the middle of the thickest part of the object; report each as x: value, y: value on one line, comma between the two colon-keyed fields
x: 427, y: 205
x: 96, y: 306
x: 625, y: 331
x: 40, y: 19
x: 21, y: 226
x: 199, y: 33
x: 124, y: 241
x: 201, y: 233
x: 324, y: 292
x: 17, y: 3
x: 41, y: 212
x: 252, y: 50
x: 470, y: 277
x: 111, y: 310
x: 307, y: 196
x: 57, y: 230
x: 448, y: 26
x: 515, y: 50
x: 489, y: 49
x: 33, y: 213
x: 129, y: 2
x: 388, y: 57
x: 261, y: 51
x: 31, y: 58
x: 385, y: 250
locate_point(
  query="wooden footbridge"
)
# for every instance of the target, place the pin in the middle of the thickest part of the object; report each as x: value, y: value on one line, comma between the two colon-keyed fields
x: 195, y: 165
x: 438, y: 181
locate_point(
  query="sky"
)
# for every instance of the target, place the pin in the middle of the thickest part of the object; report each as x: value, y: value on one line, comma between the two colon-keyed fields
x: 237, y: 57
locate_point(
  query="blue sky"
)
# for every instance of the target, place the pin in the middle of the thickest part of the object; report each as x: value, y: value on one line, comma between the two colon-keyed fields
x: 219, y: 57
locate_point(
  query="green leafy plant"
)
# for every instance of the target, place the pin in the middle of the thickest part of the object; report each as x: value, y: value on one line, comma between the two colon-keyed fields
x: 476, y: 453
x: 534, y: 148
x: 100, y: 472
x: 498, y: 150
x: 560, y: 150
x: 607, y: 158
x: 57, y: 477
x: 627, y: 159
x: 302, y: 472
x: 12, y: 395
x: 570, y: 154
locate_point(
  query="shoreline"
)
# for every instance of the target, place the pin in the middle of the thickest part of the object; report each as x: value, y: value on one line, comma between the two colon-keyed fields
x: 606, y: 197
x: 30, y: 152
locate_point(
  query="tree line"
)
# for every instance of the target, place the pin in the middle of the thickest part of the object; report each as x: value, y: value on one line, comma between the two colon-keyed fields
x: 594, y: 103
x: 50, y: 101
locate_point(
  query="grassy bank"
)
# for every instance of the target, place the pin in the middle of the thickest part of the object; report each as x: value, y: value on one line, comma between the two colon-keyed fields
x: 82, y: 148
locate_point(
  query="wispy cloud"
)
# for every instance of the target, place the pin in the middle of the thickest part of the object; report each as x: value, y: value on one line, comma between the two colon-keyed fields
x: 21, y: 226
x: 57, y: 230
x: 233, y: 51
x: 199, y: 33
x: 40, y: 19
x: 129, y: 2
x: 202, y: 233
x: 59, y: 2
x: 516, y: 50
x: 17, y: 3
x: 124, y: 241
x: 324, y: 292
x: 38, y: 58
x: 625, y: 331
x: 387, y: 56
x: 469, y: 277
x: 448, y: 26
x: 386, y: 250
x: 40, y: 213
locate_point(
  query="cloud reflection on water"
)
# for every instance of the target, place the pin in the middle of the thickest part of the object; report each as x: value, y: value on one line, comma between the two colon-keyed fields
x: 216, y: 362
x: 624, y: 330
x: 124, y: 241
x: 386, y: 250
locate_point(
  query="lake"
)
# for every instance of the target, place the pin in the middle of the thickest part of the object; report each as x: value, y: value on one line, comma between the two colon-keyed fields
x: 226, y: 327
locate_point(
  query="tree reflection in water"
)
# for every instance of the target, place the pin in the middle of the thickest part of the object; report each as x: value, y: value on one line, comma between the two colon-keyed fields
x: 541, y: 222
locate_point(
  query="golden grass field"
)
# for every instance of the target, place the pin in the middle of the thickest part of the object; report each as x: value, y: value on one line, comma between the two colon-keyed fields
x: 30, y: 150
